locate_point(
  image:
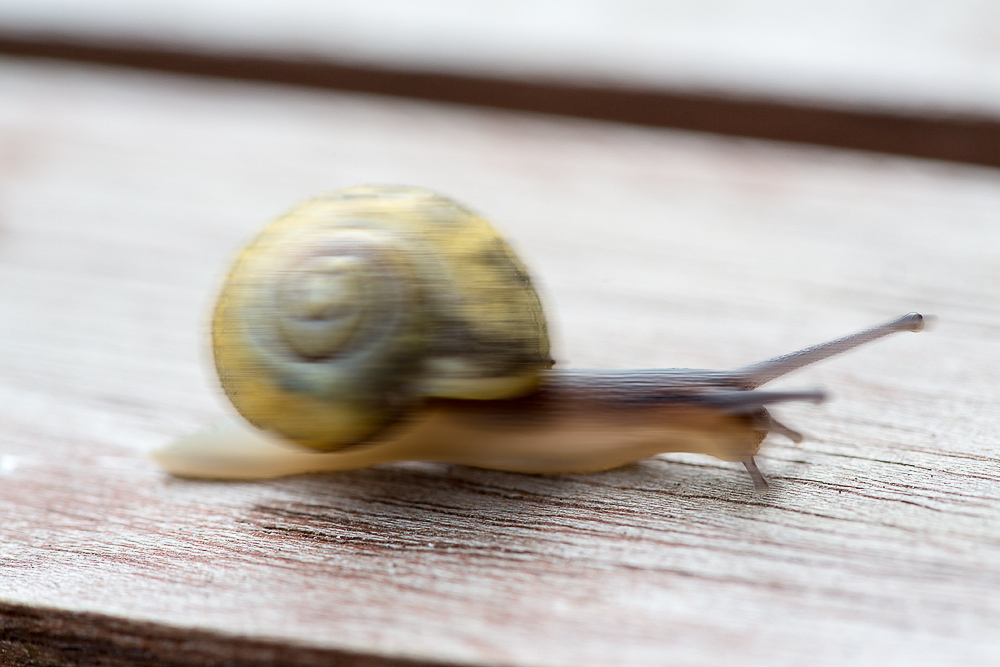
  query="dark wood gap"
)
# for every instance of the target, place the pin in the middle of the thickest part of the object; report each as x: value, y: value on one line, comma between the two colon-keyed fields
x: 54, y: 637
x: 955, y: 137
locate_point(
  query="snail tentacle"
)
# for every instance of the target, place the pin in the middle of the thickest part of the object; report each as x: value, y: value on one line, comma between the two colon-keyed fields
x: 755, y: 375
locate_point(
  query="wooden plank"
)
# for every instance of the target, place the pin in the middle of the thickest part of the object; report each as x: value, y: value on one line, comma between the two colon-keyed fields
x: 934, y: 133
x: 921, y: 82
x: 121, y: 198
x: 935, y: 54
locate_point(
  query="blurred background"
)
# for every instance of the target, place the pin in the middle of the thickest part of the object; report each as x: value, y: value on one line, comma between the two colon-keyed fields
x: 924, y: 54
x: 770, y: 68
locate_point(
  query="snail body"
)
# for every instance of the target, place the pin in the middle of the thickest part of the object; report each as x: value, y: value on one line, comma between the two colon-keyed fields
x: 383, y: 324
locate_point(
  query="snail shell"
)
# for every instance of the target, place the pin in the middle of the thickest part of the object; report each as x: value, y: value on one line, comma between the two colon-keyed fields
x: 357, y: 305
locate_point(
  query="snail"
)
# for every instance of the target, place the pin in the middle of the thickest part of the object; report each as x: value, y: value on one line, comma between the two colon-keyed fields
x: 377, y: 324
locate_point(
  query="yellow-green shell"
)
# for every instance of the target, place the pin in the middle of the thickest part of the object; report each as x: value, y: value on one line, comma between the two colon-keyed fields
x: 357, y: 305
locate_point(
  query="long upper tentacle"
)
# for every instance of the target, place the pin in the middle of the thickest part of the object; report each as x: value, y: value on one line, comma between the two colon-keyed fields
x: 755, y: 375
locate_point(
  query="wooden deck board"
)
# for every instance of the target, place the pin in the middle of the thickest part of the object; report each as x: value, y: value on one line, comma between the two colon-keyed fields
x: 122, y: 197
x: 936, y: 55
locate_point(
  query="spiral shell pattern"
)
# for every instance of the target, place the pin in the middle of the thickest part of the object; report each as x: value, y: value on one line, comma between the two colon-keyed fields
x: 356, y: 306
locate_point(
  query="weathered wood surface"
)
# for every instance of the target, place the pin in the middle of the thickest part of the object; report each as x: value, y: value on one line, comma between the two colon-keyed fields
x: 123, y: 196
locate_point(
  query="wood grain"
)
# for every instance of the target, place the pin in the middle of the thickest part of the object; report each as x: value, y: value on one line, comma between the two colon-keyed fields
x: 122, y: 198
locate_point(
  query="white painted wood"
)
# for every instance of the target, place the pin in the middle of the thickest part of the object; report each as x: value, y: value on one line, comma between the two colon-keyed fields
x: 937, y: 54
x: 122, y: 197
